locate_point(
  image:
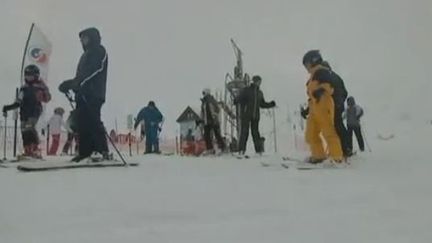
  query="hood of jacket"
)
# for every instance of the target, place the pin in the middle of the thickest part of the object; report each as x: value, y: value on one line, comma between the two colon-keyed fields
x: 93, y: 35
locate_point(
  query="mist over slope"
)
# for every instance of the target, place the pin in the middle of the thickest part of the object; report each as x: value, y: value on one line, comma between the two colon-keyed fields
x: 168, y: 51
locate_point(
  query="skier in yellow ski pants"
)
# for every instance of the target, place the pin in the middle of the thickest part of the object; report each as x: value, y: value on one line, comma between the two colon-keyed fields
x: 321, y: 111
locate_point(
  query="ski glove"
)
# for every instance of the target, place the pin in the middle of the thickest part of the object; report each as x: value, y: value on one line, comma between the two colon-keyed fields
x: 317, y: 94
x: 304, y: 112
x: 7, y: 108
x: 136, y: 124
x: 272, y: 103
x: 67, y: 85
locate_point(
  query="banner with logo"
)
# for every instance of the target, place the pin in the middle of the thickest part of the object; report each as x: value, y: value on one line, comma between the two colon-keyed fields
x: 37, y: 51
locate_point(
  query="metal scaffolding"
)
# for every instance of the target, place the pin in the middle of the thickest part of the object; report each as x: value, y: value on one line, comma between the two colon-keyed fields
x: 233, y: 85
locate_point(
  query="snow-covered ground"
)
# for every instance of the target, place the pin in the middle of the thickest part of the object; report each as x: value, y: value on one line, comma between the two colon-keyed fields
x: 385, y: 196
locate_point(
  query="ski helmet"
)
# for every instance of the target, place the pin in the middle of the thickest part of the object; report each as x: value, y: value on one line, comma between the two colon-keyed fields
x: 350, y: 101
x: 32, y: 70
x: 59, y: 111
x: 206, y: 91
x: 312, y: 57
x: 256, y: 78
x: 151, y: 103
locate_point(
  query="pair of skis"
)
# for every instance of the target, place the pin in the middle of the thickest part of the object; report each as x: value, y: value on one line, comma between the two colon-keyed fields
x: 299, y: 164
x: 2, y: 165
x: 50, y: 165
x: 43, y: 165
x: 287, y: 162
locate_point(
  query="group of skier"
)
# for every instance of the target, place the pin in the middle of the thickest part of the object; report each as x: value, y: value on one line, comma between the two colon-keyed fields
x: 89, y: 87
x: 250, y: 101
x: 324, y: 114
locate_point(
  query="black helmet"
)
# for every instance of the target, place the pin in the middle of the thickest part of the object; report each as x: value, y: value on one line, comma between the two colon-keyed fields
x: 32, y: 70
x: 59, y: 110
x: 152, y: 103
x: 350, y: 100
x: 256, y: 78
x: 312, y: 57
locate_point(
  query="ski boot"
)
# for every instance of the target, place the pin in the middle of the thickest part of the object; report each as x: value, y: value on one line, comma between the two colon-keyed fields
x: 36, y: 152
x: 208, y: 152
x: 314, y: 161
x: 79, y: 158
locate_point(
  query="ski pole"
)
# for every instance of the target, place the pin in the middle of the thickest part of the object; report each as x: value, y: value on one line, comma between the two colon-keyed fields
x: 15, y: 117
x: 70, y: 99
x: 130, y: 143
x: 115, y: 147
x: 48, y: 134
x: 137, y: 141
x: 274, y: 130
x: 296, y: 147
x: 103, y: 128
x: 109, y: 138
x: 365, y: 139
x: 4, y: 136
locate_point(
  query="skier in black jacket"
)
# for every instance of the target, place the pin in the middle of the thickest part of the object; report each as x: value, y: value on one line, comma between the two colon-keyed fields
x: 251, y: 99
x: 89, y: 86
x: 339, y: 96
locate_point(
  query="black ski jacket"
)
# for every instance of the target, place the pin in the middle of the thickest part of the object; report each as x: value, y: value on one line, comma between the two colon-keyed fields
x: 30, y: 99
x: 251, y: 99
x: 91, y: 74
x: 339, y: 91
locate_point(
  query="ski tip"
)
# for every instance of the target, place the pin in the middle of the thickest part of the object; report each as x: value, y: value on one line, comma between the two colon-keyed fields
x: 132, y: 164
x: 23, y: 168
x: 263, y: 164
x: 285, y: 166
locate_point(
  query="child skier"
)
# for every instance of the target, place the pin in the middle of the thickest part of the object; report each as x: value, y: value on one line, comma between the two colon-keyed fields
x: 55, y: 124
x: 353, y: 113
x: 31, y: 95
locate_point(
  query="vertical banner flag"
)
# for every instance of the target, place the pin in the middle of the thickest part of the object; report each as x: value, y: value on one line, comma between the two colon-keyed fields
x: 37, y: 51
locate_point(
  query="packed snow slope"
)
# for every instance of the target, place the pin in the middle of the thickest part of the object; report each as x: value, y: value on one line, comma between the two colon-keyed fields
x: 384, y: 196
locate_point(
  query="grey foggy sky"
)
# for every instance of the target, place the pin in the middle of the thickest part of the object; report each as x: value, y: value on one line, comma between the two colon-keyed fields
x: 168, y: 51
